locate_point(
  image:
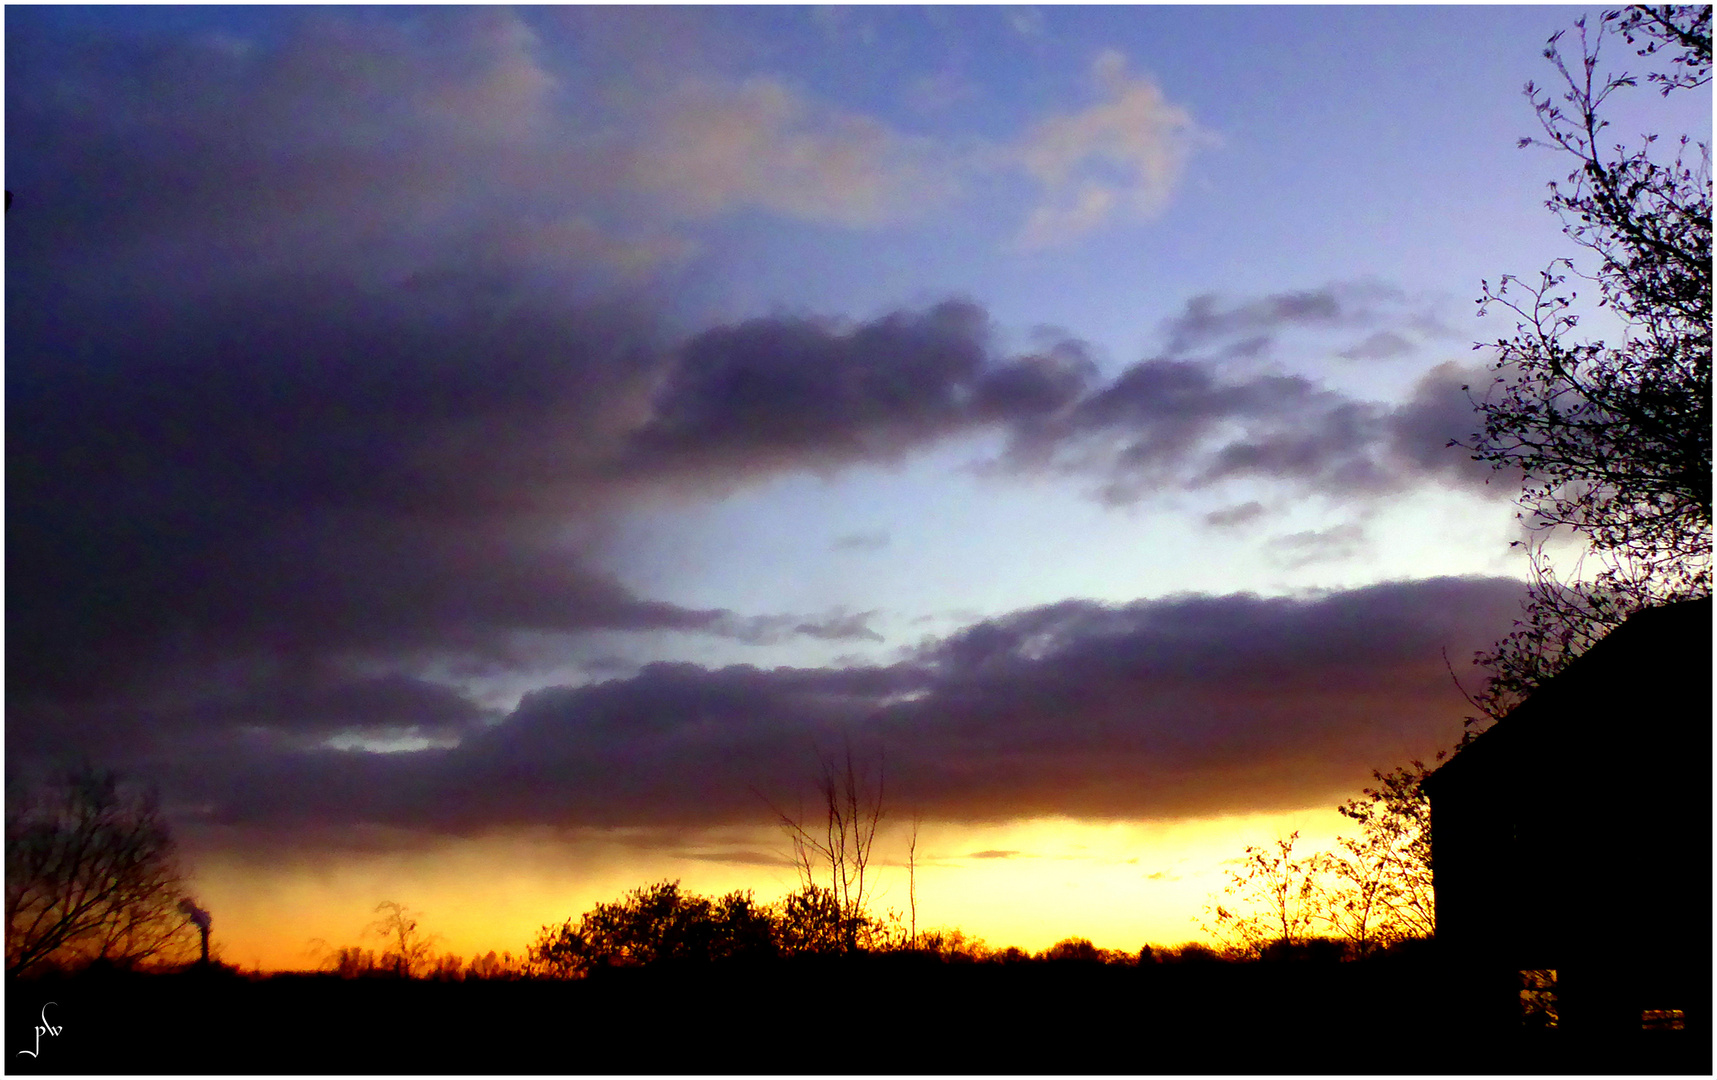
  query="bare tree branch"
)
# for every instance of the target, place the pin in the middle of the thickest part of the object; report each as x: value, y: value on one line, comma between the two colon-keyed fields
x: 90, y: 875
x: 1612, y: 439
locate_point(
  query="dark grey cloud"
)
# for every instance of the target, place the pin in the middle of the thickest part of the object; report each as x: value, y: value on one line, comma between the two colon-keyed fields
x: 838, y: 625
x: 320, y: 703
x: 326, y: 138
x: 862, y: 541
x: 1383, y: 345
x: 739, y: 858
x: 1235, y: 516
x: 1181, y: 424
x: 291, y: 477
x: 434, y: 145
x: 1317, y: 545
x: 311, y: 393
x: 1441, y: 410
x: 302, y: 384
x: 1206, y: 319
x: 1188, y: 705
x: 273, y: 405
x: 809, y: 394
x: 841, y: 627
x: 1249, y: 327
x: 799, y: 387
x: 209, y: 544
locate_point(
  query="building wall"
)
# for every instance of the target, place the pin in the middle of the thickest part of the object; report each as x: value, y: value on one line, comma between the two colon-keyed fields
x: 1576, y: 834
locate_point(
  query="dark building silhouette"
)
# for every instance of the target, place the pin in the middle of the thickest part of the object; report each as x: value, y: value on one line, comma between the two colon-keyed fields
x: 1571, y: 842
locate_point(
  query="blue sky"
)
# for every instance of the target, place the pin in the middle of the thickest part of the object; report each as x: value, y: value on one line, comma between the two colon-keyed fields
x: 466, y: 422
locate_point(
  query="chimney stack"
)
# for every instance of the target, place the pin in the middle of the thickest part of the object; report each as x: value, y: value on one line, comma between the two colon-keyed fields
x: 201, y: 918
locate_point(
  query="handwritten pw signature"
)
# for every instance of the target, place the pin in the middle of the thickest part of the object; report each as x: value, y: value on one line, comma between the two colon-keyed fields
x: 43, y: 1028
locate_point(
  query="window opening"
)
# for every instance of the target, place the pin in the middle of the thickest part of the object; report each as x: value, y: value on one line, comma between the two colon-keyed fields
x: 1663, y: 1020
x: 1538, y: 998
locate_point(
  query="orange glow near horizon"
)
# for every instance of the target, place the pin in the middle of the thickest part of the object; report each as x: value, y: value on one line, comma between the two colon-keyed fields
x: 1023, y: 883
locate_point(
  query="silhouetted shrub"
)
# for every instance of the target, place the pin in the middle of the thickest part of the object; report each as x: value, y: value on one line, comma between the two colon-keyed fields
x: 493, y: 966
x: 1191, y: 953
x: 656, y: 924
x: 1310, y: 950
x: 952, y: 945
x: 1074, y: 949
x: 352, y: 962
x: 809, y: 921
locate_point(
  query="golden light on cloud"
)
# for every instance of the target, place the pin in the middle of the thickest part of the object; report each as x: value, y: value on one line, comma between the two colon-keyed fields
x: 1026, y: 883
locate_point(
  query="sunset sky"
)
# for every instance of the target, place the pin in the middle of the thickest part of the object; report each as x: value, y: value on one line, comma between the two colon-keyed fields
x: 472, y: 457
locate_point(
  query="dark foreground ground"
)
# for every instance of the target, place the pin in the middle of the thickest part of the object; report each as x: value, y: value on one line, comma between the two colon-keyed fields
x: 893, y: 1015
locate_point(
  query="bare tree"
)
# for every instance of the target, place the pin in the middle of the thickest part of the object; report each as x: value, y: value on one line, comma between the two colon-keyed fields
x: 838, y: 848
x: 1271, y: 899
x: 90, y: 875
x: 407, y: 949
x: 912, y: 880
x: 1377, y: 884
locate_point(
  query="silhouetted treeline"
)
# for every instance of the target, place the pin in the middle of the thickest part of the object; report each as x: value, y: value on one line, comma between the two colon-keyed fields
x: 910, y: 1011
x: 663, y: 924
x: 663, y: 980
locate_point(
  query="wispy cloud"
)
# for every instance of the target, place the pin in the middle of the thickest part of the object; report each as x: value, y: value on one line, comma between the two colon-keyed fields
x: 1119, y: 159
x: 740, y: 857
x: 710, y: 148
x: 1235, y: 516
x: 1317, y: 545
x: 862, y: 541
x: 1027, y: 22
x: 1383, y: 345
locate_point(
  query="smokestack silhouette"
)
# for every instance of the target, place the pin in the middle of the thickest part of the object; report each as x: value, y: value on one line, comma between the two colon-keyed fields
x: 201, y: 918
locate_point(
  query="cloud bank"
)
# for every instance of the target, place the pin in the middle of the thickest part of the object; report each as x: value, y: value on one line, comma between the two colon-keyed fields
x: 1156, y: 709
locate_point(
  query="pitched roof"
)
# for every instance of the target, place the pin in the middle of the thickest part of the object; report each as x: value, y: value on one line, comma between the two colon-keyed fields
x: 1588, y: 702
